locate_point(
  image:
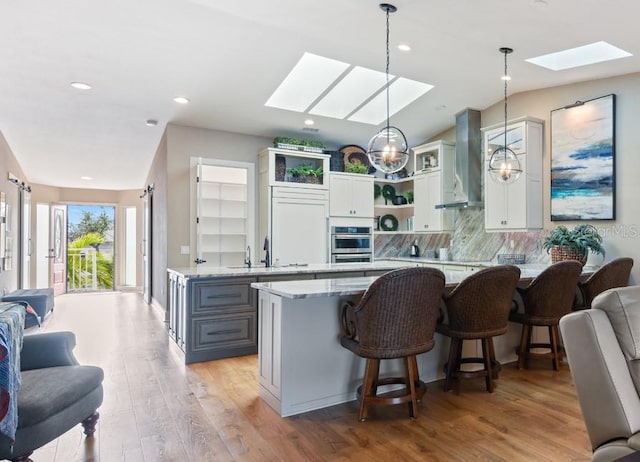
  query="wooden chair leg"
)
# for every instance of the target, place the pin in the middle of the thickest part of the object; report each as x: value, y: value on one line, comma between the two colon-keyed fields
x: 495, y: 365
x: 411, y: 383
x: 451, y: 364
x: 370, y: 377
x: 525, y: 341
x: 89, y: 424
x: 486, y: 355
x: 553, y: 340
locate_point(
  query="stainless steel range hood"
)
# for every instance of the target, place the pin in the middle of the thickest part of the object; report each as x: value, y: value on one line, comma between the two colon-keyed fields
x: 468, y: 183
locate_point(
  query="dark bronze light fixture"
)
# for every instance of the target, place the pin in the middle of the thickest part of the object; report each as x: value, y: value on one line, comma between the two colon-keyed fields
x: 504, y: 166
x: 387, y: 150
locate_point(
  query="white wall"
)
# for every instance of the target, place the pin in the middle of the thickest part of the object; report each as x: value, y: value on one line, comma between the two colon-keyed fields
x: 182, y: 144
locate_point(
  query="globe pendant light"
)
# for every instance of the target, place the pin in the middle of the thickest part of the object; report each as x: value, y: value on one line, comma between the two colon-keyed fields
x: 504, y: 166
x: 387, y: 150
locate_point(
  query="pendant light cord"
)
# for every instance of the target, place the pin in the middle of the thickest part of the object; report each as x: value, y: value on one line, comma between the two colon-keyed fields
x: 387, y: 71
x: 506, y: 79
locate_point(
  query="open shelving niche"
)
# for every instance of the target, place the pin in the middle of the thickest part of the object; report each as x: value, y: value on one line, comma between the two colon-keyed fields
x: 403, y: 213
x: 222, y: 211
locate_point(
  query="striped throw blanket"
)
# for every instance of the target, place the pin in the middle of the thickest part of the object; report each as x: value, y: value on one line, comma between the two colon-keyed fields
x: 11, y: 331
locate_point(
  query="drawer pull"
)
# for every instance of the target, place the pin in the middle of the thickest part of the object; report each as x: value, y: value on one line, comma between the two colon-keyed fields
x: 224, y: 296
x: 223, y: 332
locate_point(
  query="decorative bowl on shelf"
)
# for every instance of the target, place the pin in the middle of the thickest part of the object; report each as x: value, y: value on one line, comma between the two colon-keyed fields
x: 399, y: 200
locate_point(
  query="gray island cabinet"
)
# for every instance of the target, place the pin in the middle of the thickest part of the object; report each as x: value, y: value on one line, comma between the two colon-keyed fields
x: 212, y: 312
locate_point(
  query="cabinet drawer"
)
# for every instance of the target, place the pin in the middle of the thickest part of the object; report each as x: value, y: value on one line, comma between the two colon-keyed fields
x: 214, y: 297
x: 222, y: 332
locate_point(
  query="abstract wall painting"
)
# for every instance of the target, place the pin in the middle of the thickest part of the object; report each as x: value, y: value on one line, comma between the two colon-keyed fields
x: 583, y: 160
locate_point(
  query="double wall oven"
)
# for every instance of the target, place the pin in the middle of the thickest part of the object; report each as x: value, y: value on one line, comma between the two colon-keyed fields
x: 351, y: 244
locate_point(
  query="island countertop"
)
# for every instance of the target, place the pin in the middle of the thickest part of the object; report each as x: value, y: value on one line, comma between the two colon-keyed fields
x: 204, y: 271
x: 358, y: 285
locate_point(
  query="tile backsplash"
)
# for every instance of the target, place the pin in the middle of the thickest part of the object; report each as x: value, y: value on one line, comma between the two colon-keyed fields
x: 468, y: 241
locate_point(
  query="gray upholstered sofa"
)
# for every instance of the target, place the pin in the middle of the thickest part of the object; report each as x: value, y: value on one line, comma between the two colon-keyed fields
x: 56, y: 394
x: 603, y: 350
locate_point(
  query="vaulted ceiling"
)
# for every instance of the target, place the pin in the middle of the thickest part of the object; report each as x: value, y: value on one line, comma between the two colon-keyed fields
x: 229, y: 57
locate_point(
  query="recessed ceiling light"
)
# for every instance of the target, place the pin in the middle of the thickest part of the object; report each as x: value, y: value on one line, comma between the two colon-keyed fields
x: 88, y: 178
x: 404, y: 47
x: 81, y: 86
x: 151, y: 123
x: 580, y: 56
x: 181, y: 100
x: 309, y: 122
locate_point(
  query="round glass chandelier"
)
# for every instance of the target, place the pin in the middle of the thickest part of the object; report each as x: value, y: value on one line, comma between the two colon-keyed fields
x: 504, y: 166
x: 387, y: 150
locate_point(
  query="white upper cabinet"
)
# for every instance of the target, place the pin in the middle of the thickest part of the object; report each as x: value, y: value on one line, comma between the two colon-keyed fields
x: 350, y: 195
x: 434, y: 184
x: 516, y: 206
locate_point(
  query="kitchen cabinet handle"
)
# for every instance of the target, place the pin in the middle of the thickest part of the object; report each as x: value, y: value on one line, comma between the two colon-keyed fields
x: 223, y: 332
x: 209, y: 297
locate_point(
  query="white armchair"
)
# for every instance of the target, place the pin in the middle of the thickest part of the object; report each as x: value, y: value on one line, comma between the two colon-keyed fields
x: 603, y: 349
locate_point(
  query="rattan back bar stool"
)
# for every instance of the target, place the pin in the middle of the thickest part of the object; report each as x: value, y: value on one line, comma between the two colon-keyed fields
x: 478, y: 309
x: 613, y: 274
x: 546, y: 299
x: 396, y: 318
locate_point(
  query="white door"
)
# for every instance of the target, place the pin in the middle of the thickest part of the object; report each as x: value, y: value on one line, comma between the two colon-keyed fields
x: 42, y: 245
x: 58, y: 249
x: 299, y: 231
x: 434, y: 196
x: 224, y: 209
x: 362, y: 195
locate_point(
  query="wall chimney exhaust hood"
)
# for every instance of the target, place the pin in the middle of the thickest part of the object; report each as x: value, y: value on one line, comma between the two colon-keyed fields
x: 468, y: 174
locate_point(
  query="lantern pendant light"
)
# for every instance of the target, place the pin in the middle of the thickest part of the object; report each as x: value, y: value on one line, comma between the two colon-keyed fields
x: 387, y: 150
x: 504, y: 166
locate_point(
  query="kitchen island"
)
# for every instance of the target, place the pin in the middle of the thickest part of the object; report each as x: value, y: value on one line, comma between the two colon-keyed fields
x: 212, y: 311
x: 302, y: 365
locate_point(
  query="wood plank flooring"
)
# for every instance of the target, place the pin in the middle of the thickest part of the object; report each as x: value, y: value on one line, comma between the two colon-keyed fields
x: 158, y: 409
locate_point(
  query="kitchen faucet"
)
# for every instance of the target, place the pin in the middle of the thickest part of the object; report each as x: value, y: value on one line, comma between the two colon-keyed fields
x: 247, y: 259
x: 267, y: 258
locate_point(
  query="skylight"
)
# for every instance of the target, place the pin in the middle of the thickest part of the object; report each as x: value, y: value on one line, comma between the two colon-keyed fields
x: 308, y: 79
x: 402, y: 92
x: 580, y: 56
x: 322, y: 86
x: 350, y: 92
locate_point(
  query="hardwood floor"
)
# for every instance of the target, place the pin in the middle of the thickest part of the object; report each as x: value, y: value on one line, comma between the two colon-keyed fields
x: 158, y: 409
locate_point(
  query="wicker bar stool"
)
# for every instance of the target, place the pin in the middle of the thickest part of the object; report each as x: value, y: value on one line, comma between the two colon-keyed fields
x: 613, y: 274
x: 546, y: 299
x: 396, y: 318
x: 478, y: 309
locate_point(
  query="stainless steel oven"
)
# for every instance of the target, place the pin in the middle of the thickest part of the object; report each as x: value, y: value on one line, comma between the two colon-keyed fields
x: 351, y: 243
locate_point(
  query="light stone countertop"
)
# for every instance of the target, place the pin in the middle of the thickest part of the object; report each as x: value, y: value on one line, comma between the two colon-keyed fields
x: 204, y: 271
x: 355, y: 286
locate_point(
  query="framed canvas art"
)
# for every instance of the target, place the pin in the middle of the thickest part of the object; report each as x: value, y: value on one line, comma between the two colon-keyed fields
x: 583, y: 160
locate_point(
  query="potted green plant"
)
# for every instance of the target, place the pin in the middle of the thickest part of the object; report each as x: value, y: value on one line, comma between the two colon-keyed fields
x: 563, y: 244
x: 356, y: 167
x: 306, y: 173
x: 409, y: 196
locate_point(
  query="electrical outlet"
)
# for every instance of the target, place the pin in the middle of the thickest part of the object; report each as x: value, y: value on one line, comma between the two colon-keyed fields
x: 184, y: 250
x: 512, y: 243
